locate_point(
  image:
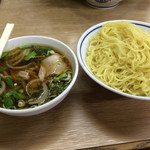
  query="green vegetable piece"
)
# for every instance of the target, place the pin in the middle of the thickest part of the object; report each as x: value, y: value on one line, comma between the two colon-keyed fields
x: 42, y: 48
x: 8, y: 94
x: 69, y: 71
x: 48, y: 52
x: 31, y: 55
x: 4, y: 54
x: 63, y: 75
x: 64, y: 86
x: 18, y: 95
x: 8, y: 102
x: 21, y: 90
x: 3, y: 69
x: 26, y: 46
x: 9, y: 82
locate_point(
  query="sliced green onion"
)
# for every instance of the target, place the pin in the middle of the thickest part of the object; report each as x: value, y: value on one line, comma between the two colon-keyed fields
x: 69, y: 71
x: 21, y: 90
x: 3, y: 69
x: 18, y: 95
x: 26, y: 46
x: 9, y: 82
x: 8, y: 94
x: 63, y: 75
x: 42, y: 48
x: 4, y: 54
x: 8, y: 102
x: 31, y: 55
x: 64, y: 86
x: 48, y: 52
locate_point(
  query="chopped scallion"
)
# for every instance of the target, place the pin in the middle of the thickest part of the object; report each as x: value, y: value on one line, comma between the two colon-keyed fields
x: 31, y: 55
x: 63, y: 75
x: 21, y: 90
x: 42, y: 48
x: 26, y: 46
x: 9, y: 82
x: 4, y: 54
x: 18, y: 95
x: 3, y: 69
x: 48, y: 52
x: 8, y: 102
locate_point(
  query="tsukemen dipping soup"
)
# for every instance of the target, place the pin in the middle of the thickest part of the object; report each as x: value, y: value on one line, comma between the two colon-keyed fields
x: 32, y: 75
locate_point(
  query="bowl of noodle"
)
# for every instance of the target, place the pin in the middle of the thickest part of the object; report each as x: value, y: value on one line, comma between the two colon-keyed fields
x: 116, y: 55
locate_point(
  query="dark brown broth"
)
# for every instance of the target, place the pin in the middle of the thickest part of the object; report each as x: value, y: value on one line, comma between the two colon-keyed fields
x: 32, y: 69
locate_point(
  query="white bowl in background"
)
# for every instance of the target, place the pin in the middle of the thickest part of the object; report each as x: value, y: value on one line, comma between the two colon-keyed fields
x: 61, y: 47
x: 104, y: 4
x: 82, y: 48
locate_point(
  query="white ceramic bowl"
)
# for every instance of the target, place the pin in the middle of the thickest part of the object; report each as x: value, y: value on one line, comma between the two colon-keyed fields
x: 68, y: 52
x: 82, y: 48
x: 104, y: 4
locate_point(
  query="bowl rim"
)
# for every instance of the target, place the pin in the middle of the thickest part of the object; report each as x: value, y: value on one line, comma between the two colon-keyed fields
x: 57, y: 99
x: 86, y: 69
x: 101, y: 6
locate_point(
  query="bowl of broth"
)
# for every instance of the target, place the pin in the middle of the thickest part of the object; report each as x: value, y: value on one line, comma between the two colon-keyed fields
x: 36, y: 74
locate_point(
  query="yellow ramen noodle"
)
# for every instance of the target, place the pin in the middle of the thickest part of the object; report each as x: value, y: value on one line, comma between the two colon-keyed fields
x: 119, y: 56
